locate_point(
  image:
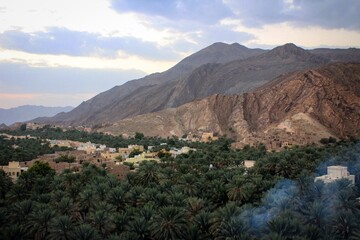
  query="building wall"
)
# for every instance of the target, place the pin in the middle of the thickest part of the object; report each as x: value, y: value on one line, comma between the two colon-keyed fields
x: 335, y: 173
x: 13, y: 170
x: 109, y: 156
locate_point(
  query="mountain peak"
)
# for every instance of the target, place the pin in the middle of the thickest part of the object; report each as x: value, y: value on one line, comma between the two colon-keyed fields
x: 220, y: 46
x: 289, y: 50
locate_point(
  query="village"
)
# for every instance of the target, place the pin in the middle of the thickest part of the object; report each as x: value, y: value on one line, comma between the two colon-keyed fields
x: 117, y: 161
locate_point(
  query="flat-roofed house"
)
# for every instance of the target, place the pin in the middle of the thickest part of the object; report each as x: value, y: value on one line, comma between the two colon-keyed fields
x: 335, y: 173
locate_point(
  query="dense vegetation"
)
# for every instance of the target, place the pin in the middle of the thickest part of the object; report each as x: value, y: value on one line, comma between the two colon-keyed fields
x: 185, y: 198
x: 29, y: 148
x: 24, y: 149
x: 48, y: 132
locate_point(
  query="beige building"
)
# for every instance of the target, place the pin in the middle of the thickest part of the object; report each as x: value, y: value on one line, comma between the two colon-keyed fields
x: 249, y: 163
x: 136, y: 147
x: 109, y: 155
x: 208, y: 137
x: 142, y: 157
x: 88, y: 147
x: 124, y: 152
x: 335, y: 173
x: 13, y: 170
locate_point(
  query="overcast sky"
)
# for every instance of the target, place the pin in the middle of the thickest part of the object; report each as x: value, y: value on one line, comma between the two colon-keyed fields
x: 62, y: 52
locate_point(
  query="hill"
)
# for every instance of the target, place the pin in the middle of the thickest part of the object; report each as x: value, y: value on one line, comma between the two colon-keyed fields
x: 28, y: 112
x: 218, y: 69
x: 118, y: 102
x: 296, y: 108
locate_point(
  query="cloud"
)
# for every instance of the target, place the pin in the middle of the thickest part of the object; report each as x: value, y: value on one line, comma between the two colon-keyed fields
x: 203, y: 11
x: 323, y: 13
x: 273, y: 35
x: 21, y: 84
x: 61, y: 41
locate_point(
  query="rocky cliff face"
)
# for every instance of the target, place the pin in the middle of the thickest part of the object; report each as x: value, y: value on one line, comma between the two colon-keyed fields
x: 301, y: 107
x: 329, y: 94
x: 215, y: 113
x: 218, y: 69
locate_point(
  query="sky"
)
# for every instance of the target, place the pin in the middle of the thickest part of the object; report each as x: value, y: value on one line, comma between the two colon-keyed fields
x: 63, y: 52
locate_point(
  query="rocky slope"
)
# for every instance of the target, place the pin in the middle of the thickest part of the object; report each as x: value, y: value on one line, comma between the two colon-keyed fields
x: 301, y: 107
x: 218, y: 69
x: 126, y: 100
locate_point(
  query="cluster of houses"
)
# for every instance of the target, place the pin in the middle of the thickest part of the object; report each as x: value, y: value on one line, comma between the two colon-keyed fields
x: 113, y: 159
x: 276, y: 139
x: 200, y: 137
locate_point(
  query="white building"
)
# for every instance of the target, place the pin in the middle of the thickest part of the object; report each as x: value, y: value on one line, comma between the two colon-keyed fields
x: 335, y: 173
x: 101, y: 147
x: 112, y: 150
x: 184, y: 150
x: 88, y: 147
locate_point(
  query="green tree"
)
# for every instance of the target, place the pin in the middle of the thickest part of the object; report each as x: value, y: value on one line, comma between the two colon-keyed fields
x: 23, y: 127
x: 39, y: 222
x: 148, y: 174
x: 139, y: 135
x: 5, y: 184
x: 134, y: 153
x: 170, y: 223
x: 86, y: 232
x: 61, y: 227
x: 41, y: 169
x: 65, y: 158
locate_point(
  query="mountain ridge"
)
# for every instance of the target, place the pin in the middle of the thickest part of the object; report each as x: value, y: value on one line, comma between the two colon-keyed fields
x: 28, y: 112
x: 320, y: 99
x: 159, y: 91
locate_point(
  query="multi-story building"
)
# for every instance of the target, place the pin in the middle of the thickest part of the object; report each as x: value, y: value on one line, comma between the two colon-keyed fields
x: 13, y: 170
x: 335, y: 173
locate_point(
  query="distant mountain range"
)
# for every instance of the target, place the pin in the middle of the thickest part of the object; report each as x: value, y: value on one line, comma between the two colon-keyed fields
x: 222, y: 80
x: 28, y: 112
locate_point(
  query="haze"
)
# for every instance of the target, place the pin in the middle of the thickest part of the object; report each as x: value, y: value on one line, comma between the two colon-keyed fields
x: 59, y: 53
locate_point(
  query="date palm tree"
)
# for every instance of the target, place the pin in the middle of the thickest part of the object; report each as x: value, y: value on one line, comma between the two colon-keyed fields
x: 21, y: 211
x: 86, y: 232
x: 116, y: 197
x: 345, y: 225
x: 194, y: 205
x: 15, y: 232
x: 139, y: 226
x: 239, y: 191
x: 148, y: 174
x: 5, y: 184
x: 103, y: 222
x: 189, y: 185
x: 62, y: 228
x: 169, y: 223
x: 85, y: 203
x: 39, y: 221
x: 285, y: 226
x: 316, y: 214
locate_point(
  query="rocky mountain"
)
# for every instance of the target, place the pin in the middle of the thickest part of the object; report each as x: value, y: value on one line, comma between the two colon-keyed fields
x: 28, y: 112
x: 295, y: 108
x: 118, y: 102
x: 219, y: 69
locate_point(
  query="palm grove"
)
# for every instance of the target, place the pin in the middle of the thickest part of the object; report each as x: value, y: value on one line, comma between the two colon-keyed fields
x: 184, y: 198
